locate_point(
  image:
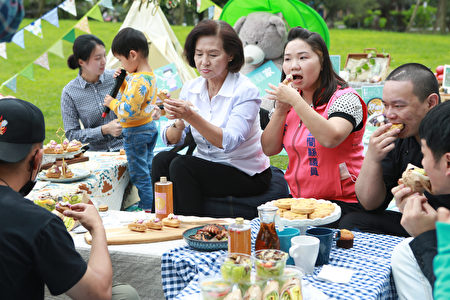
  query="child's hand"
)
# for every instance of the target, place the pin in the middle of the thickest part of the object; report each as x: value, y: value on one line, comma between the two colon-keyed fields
x: 107, y: 100
x: 117, y: 72
x: 156, y: 114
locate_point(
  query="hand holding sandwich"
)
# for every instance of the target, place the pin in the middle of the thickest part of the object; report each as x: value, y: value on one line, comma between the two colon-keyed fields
x: 87, y: 215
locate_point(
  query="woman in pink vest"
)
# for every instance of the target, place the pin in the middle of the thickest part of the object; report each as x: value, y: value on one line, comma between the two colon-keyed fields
x: 320, y: 121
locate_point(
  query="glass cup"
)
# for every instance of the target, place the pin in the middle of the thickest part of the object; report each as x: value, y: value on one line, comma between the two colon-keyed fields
x: 236, y: 267
x: 270, y: 263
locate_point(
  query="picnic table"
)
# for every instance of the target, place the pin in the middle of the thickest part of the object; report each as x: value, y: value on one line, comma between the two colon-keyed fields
x: 369, y: 258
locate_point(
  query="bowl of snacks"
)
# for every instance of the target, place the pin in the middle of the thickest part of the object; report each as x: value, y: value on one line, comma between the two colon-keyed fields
x: 236, y: 267
x: 214, y: 288
x: 270, y: 263
x: 211, y: 237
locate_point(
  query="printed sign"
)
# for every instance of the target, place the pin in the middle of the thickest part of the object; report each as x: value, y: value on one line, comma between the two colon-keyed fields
x: 167, y: 78
x: 265, y: 74
x: 336, y: 62
x: 372, y: 95
x: 446, y: 80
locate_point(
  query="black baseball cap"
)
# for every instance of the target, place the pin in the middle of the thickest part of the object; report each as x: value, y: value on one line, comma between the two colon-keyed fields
x: 21, y: 125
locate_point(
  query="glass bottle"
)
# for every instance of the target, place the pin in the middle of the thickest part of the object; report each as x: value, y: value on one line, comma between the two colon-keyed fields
x: 163, y: 198
x: 239, y: 240
x: 267, y: 236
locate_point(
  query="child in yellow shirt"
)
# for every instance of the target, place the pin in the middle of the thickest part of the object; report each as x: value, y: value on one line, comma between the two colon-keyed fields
x: 136, y: 110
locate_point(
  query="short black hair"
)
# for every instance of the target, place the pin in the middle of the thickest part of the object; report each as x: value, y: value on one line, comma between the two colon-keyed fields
x: 129, y: 39
x: 329, y: 80
x: 231, y: 42
x: 423, y: 80
x: 82, y: 49
x: 435, y: 129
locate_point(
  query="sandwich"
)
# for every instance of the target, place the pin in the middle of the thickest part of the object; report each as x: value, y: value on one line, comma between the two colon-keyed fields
x: 253, y: 293
x: 396, y: 126
x: 271, y: 291
x: 291, y: 290
x: 416, y: 179
x: 234, y: 295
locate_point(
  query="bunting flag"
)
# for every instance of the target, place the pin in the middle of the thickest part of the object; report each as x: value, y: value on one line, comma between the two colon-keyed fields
x: 107, y: 4
x: 83, y: 25
x: 70, y: 37
x: 3, y: 50
x: 203, y: 5
x: 57, y: 49
x: 18, y: 39
x: 11, y: 83
x: 95, y: 13
x: 217, y: 12
x: 35, y: 28
x: 52, y: 17
x: 69, y: 6
x: 28, y: 72
x: 43, y: 61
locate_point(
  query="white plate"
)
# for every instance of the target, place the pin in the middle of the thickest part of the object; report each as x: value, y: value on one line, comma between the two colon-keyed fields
x: 63, y: 155
x: 334, y: 216
x: 78, y: 174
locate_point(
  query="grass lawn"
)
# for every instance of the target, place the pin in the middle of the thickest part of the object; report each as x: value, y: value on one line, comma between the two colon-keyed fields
x: 45, y: 89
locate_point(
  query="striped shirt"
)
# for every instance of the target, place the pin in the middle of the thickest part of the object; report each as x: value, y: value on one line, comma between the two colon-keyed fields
x: 83, y: 101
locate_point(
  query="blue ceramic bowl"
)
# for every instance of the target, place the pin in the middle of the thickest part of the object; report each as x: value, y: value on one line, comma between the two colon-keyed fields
x: 203, y: 245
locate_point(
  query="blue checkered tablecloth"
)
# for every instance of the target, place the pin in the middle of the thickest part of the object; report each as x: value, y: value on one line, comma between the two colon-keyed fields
x: 369, y: 258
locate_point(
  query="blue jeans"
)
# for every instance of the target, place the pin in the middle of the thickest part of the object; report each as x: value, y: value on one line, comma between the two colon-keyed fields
x: 139, y: 143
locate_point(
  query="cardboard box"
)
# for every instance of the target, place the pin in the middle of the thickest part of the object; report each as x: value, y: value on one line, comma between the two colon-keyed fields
x: 369, y: 66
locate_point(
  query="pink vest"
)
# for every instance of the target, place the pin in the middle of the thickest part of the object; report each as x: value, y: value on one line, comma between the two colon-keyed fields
x: 318, y: 172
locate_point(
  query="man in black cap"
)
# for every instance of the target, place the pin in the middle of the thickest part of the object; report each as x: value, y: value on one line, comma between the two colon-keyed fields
x: 35, y: 247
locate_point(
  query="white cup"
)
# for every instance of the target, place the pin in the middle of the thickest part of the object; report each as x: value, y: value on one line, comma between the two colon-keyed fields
x: 304, y: 251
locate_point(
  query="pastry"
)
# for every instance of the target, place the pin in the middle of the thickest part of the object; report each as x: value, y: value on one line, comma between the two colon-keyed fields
x: 416, y: 179
x: 289, y: 78
x: 53, y: 172
x: 67, y: 173
x: 73, y: 146
x: 65, y: 143
x: 154, y: 223
x: 284, y: 203
x: 122, y: 152
x: 138, y: 226
x: 49, y: 149
x: 303, y: 206
x: 163, y: 94
x: 63, y: 206
x: 58, y: 149
x: 171, y: 221
x: 346, y: 239
x: 396, y: 126
x: 293, y: 216
x: 103, y: 208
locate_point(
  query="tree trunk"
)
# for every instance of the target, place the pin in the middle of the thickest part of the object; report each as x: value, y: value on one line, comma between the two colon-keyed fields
x: 440, y: 18
x: 41, y: 7
x: 413, y: 16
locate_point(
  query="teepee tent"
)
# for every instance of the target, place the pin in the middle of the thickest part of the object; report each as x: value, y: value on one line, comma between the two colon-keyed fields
x: 295, y: 12
x: 163, y: 44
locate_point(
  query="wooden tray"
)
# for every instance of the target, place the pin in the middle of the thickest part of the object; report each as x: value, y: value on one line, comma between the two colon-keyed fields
x: 70, y: 161
x: 357, y: 60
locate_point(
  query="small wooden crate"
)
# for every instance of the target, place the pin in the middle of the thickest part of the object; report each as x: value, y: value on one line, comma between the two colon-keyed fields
x: 361, y: 61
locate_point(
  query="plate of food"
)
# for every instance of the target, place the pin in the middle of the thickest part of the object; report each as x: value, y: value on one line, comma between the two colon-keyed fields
x: 209, y: 237
x: 302, y: 212
x: 78, y: 174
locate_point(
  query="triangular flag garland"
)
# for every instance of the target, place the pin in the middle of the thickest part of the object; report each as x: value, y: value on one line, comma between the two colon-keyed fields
x: 35, y: 28
x: 28, y: 72
x: 11, y: 83
x: 3, y: 50
x: 43, y: 61
x: 57, y: 49
x: 52, y: 17
x: 18, y: 39
x: 217, y: 12
x: 83, y: 25
x: 203, y: 5
x: 106, y: 3
x: 95, y: 13
x: 69, y: 6
x: 70, y: 37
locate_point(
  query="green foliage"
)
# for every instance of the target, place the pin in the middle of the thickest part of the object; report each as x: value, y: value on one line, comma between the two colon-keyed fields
x: 425, y: 16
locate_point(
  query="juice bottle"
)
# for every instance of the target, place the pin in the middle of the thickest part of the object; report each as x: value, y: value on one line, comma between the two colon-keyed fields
x: 163, y: 198
x: 239, y: 240
x: 267, y: 236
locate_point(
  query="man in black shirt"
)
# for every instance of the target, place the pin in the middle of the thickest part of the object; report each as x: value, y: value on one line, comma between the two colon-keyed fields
x: 409, y: 92
x: 35, y: 247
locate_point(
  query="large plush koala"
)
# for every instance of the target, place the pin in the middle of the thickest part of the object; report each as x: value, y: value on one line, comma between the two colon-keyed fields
x: 263, y: 36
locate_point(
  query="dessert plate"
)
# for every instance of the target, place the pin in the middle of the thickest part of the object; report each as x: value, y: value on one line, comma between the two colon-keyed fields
x: 78, y: 174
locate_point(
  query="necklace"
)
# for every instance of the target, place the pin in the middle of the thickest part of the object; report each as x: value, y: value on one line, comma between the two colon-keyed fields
x: 4, y: 182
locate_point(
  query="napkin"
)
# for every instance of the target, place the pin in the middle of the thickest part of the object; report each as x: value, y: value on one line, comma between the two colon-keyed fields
x: 335, y: 274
